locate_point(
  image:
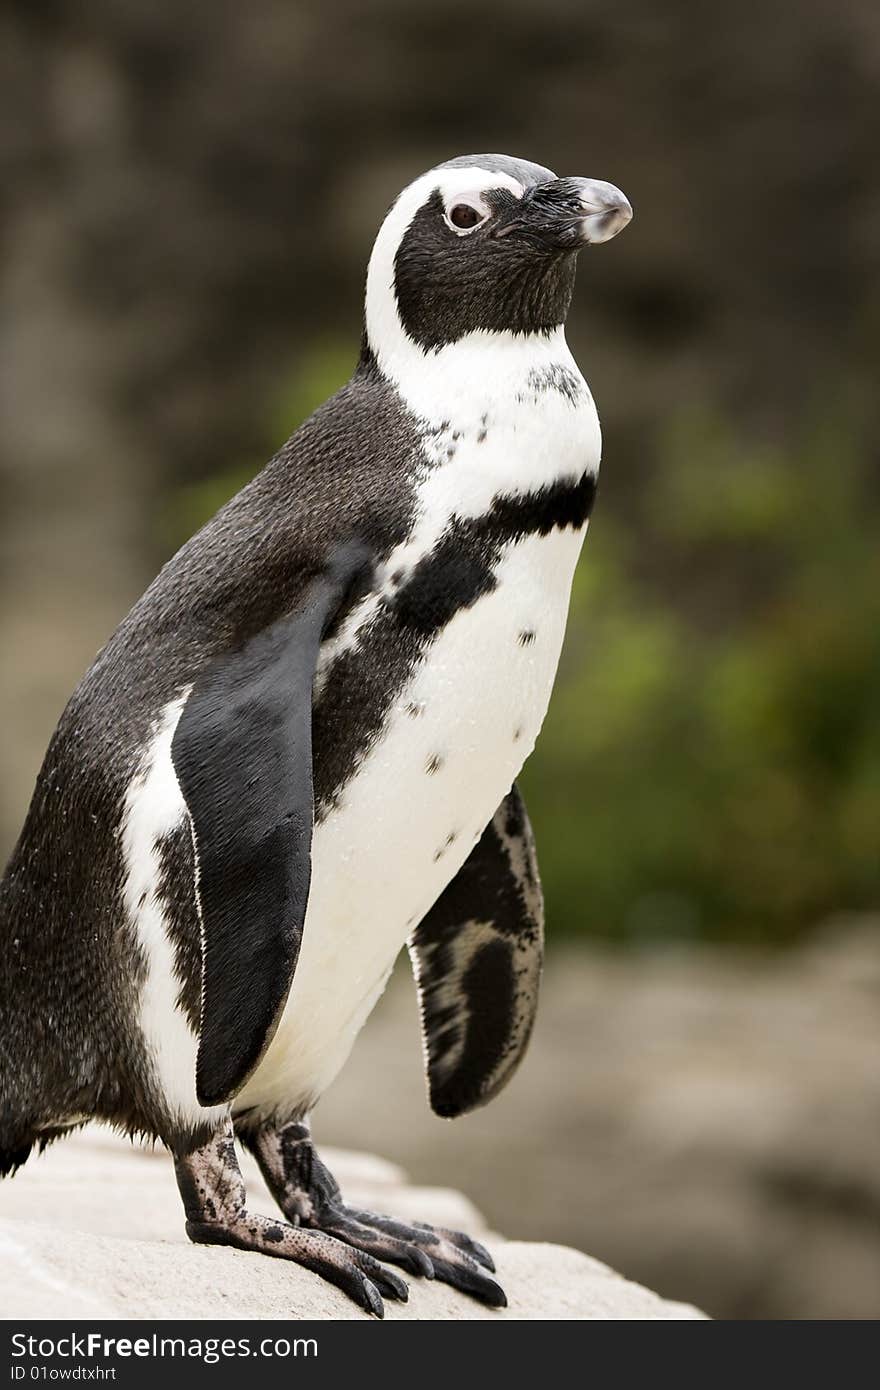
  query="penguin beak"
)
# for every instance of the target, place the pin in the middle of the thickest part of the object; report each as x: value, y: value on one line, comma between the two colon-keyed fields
x: 605, y: 210
x: 566, y: 214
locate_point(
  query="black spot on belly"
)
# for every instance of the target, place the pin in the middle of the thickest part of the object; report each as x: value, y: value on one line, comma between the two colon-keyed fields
x: 526, y: 637
x: 517, y: 733
x: 558, y: 378
x: 433, y: 431
x: 434, y: 763
x: 450, y: 840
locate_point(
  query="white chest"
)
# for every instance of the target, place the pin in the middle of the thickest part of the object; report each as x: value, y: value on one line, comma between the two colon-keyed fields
x: 449, y: 751
x: 455, y: 738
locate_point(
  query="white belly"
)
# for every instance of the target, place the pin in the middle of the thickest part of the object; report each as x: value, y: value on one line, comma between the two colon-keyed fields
x: 454, y: 742
x: 471, y: 713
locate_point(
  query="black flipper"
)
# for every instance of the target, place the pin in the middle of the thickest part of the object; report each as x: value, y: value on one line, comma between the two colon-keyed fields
x: 242, y: 752
x: 477, y: 959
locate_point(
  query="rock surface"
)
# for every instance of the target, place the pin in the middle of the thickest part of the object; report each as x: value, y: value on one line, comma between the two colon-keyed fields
x: 94, y: 1228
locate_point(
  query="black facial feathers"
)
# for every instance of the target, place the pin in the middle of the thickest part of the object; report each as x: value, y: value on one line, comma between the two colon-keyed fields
x: 448, y: 285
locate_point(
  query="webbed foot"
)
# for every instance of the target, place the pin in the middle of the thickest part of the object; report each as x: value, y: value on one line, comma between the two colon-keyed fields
x: 214, y: 1197
x: 309, y: 1196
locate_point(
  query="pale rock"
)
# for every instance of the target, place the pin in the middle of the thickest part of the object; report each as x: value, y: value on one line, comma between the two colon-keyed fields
x: 94, y: 1229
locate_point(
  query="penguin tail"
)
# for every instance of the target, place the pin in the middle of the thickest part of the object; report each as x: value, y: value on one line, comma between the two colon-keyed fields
x: 17, y: 1138
x: 19, y: 1126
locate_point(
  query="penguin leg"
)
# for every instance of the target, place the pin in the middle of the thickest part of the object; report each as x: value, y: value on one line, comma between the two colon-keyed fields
x: 309, y: 1196
x: 214, y: 1198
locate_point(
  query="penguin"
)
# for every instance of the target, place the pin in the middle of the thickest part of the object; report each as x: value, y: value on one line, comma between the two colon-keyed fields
x: 298, y: 752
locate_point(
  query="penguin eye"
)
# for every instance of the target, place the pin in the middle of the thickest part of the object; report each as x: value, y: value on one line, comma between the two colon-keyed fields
x: 464, y: 217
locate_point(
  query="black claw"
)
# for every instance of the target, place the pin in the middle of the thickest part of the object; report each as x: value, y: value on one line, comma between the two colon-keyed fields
x: 469, y: 1278
x: 470, y: 1247
x: 479, y: 1253
x: 388, y: 1283
x: 373, y: 1299
x: 420, y: 1263
x: 391, y: 1285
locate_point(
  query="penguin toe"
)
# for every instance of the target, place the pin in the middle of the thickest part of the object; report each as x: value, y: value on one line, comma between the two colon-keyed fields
x: 421, y: 1263
x: 408, y: 1257
x: 389, y: 1283
x: 372, y: 1299
x: 393, y: 1286
x: 433, y: 1252
x: 380, y: 1244
x: 470, y: 1247
x: 468, y: 1277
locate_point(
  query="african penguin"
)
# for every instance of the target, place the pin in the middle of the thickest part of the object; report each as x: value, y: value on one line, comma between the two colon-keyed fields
x: 297, y: 752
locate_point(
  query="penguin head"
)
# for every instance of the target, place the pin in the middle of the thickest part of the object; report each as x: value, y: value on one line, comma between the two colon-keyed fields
x: 482, y: 243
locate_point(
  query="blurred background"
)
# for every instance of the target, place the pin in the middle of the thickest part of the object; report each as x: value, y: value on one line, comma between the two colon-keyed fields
x: 188, y: 197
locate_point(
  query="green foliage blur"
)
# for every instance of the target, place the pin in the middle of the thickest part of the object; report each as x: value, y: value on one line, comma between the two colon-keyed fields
x: 710, y: 765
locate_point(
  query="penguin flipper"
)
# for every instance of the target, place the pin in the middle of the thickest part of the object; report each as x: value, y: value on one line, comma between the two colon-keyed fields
x: 477, y: 958
x: 242, y: 752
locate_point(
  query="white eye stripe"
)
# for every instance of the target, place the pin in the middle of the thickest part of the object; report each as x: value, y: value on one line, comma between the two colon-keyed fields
x: 385, y: 331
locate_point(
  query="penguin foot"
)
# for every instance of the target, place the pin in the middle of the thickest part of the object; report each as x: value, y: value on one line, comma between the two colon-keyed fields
x: 309, y: 1196
x: 455, y: 1258
x: 213, y: 1195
